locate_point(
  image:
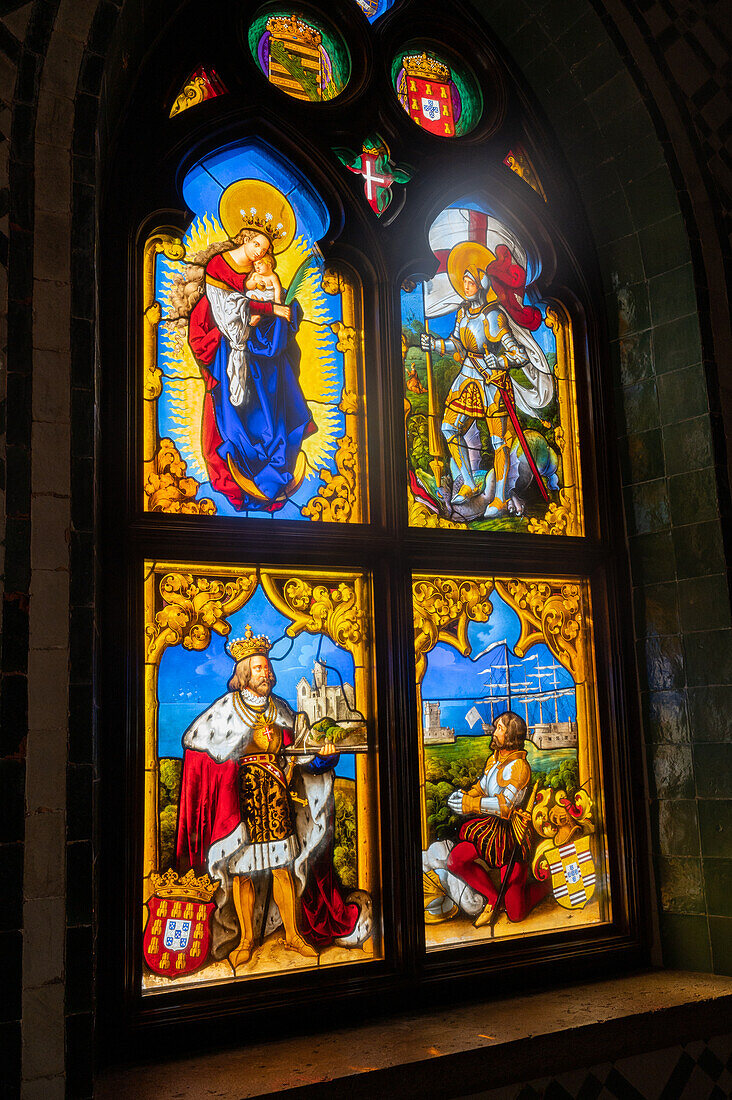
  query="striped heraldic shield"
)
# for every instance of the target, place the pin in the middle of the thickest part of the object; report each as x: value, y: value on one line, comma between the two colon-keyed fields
x: 573, y: 873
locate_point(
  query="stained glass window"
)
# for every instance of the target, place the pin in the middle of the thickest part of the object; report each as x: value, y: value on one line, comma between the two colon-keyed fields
x: 517, y: 159
x: 489, y: 386
x: 296, y: 476
x: 253, y: 352
x: 260, y: 795
x: 302, y: 56
x: 374, y: 9
x: 512, y: 811
x: 203, y: 83
x: 442, y: 98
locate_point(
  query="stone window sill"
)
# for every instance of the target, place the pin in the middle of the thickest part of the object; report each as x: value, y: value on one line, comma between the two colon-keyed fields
x: 452, y: 1052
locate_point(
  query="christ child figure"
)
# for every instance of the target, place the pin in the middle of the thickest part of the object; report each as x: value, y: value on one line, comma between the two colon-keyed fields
x: 263, y: 284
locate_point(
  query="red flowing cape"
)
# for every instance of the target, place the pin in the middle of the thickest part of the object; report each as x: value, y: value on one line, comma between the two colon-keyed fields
x: 209, y: 810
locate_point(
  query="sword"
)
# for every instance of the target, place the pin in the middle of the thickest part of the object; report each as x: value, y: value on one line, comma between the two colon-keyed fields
x: 511, y: 408
x: 526, y: 815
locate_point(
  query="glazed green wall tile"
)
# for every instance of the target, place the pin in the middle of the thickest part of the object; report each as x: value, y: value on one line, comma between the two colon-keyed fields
x: 656, y: 609
x: 628, y: 309
x: 664, y: 245
x: 614, y: 97
x: 628, y: 130
x: 664, y: 663
x: 578, y: 39
x: 698, y: 549
x: 713, y: 767
x: 621, y: 261
x: 596, y: 69
x: 693, y: 495
x: 715, y: 827
x: 710, y: 713
x: 637, y: 162
x: 676, y: 344
x: 682, y: 394
x: 605, y: 131
x: 533, y: 39
x: 720, y: 930
x: 687, y: 446
x: 671, y: 771
x: 672, y: 294
x: 652, y: 558
x: 676, y: 827
x: 646, y: 507
x: 653, y: 198
x: 636, y: 359
x: 665, y: 716
x: 642, y: 457
x: 718, y: 886
x: 708, y: 657
x: 704, y: 603
x: 681, y: 885
x: 640, y: 407
x: 685, y: 942
x: 610, y: 217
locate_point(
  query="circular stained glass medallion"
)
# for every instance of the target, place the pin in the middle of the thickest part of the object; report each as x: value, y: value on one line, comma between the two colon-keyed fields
x: 299, y: 54
x: 441, y: 97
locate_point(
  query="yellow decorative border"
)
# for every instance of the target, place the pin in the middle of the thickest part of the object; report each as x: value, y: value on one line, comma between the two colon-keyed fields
x: 185, y: 603
x: 342, y: 498
x: 567, y: 517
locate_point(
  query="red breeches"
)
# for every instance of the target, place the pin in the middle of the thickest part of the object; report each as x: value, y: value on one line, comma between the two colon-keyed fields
x: 521, y: 894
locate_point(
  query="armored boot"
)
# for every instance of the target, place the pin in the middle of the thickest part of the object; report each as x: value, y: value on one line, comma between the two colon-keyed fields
x: 501, y: 464
x: 459, y: 462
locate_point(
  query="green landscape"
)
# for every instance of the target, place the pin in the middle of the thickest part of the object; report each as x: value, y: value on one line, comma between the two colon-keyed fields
x: 461, y: 764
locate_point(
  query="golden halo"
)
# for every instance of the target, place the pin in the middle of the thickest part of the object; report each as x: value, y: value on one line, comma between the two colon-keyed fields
x: 467, y: 256
x: 254, y: 204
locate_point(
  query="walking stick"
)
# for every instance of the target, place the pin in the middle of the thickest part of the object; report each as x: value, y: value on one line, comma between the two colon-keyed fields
x: 525, y: 819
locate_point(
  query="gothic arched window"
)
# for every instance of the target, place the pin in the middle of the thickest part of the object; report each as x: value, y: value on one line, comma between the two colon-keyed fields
x: 357, y: 500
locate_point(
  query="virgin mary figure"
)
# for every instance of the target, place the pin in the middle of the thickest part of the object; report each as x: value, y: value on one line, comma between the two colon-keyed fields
x: 255, y: 416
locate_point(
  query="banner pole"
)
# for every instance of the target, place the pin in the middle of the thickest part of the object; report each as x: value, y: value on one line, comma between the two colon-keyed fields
x: 434, y: 435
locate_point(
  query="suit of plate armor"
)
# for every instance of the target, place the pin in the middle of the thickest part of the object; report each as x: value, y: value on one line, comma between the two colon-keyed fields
x: 483, y: 338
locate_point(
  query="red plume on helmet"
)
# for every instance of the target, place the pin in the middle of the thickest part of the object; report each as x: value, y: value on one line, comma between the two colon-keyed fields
x: 508, y: 279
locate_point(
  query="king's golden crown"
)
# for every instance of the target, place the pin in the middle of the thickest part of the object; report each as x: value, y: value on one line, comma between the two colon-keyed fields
x: 294, y: 29
x: 170, y: 886
x: 429, y: 68
x: 249, y: 646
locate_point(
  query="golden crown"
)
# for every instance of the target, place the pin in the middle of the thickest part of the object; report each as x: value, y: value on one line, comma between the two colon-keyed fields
x: 170, y: 885
x: 429, y: 68
x: 249, y: 646
x: 280, y: 26
x: 263, y: 223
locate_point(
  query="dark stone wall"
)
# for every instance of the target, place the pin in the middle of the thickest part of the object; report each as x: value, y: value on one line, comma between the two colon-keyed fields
x: 636, y: 95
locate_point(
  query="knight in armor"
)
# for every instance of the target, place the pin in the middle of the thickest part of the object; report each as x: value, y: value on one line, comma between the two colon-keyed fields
x: 491, y: 337
x: 493, y: 828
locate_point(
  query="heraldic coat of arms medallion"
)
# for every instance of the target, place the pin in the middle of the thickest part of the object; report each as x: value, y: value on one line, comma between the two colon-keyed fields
x: 178, y: 931
x: 573, y: 873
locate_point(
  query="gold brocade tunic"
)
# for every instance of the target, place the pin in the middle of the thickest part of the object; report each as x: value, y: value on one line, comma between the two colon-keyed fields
x: 263, y: 797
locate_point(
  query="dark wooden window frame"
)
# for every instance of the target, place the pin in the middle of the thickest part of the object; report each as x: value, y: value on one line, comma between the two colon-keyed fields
x: 146, y: 161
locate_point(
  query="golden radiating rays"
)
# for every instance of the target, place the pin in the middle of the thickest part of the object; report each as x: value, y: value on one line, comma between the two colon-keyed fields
x: 319, y: 366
